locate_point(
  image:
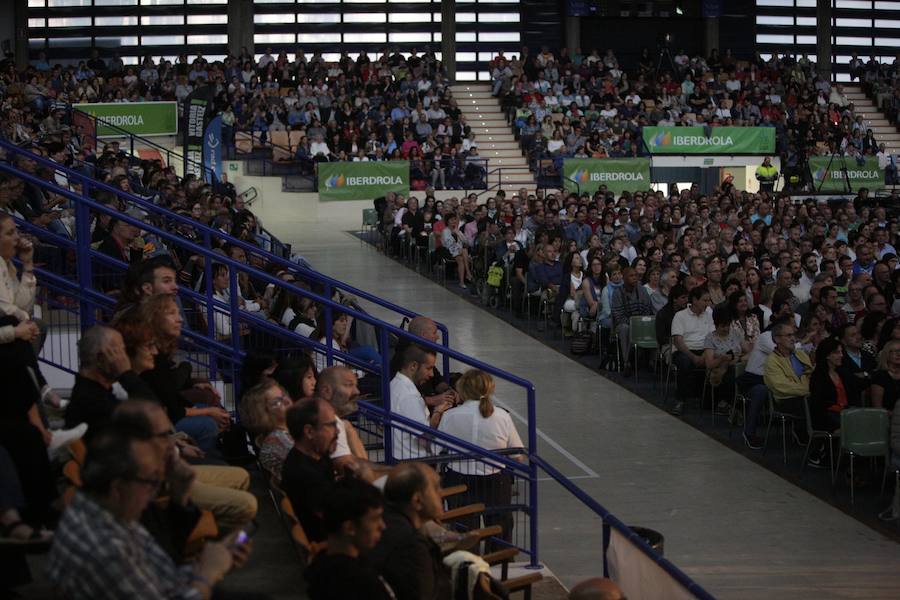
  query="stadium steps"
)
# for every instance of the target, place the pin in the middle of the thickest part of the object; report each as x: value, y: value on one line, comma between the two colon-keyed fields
x: 493, y: 137
x: 875, y: 119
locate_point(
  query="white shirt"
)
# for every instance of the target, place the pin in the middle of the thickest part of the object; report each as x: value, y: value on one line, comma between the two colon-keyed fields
x: 692, y: 327
x: 495, y: 432
x: 756, y: 362
x: 321, y: 360
x: 407, y: 401
x: 343, y: 446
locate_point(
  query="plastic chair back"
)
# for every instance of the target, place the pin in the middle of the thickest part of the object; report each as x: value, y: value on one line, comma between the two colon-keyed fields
x: 370, y: 218
x: 643, y: 332
x: 809, y: 427
x: 866, y: 431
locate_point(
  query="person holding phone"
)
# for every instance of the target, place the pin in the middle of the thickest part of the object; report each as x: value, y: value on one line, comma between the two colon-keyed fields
x: 722, y: 349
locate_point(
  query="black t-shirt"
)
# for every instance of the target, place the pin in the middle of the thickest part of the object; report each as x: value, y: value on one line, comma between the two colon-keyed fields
x: 340, y: 577
x: 307, y: 482
x: 891, y: 388
x: 414, y: 221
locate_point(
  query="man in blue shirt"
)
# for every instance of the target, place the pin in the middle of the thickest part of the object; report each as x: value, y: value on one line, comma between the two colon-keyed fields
x: 579, y: 230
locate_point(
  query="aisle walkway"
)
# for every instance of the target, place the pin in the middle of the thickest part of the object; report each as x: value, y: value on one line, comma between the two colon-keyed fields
x: 739, y: 530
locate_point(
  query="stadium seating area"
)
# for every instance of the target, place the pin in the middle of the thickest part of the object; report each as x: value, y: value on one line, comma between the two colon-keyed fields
x: 570, y: 105
x: 694, y: 288
x: 781, y: 315
x: 303, y: 111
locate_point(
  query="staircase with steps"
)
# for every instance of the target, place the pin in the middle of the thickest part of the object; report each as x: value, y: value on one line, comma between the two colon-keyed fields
x: 494, y: 137
x: 875, y: 119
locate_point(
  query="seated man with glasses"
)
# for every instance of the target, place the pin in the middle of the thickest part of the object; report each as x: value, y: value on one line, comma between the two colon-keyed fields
x: 100, y: 549
x: 786, y: 374
x: 307, y: 474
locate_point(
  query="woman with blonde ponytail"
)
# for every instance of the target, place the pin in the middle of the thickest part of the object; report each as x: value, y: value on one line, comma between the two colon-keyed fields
x: 480, y: 423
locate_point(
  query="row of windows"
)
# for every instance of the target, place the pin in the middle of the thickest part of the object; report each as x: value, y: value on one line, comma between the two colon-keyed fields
x: 379, y: 17
x: 840, y: 4
x: 127, y: 21
x: 779, y: 29
x: 791, y: 21
x: 840, y: 40
x: 487, y: 27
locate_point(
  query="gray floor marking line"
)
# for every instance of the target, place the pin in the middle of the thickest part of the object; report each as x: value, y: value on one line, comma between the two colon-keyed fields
x: 553, y: 443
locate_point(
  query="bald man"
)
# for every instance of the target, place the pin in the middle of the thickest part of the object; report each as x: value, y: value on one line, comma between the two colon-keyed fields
x: 596, y: 588
x: 435, y: 390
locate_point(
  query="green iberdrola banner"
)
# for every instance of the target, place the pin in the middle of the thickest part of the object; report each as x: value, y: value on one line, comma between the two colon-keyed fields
x: 721, y: 140
x: 362, y: 180
x: 139, y: 118
x: 831, y: 177
x: 617, y: 174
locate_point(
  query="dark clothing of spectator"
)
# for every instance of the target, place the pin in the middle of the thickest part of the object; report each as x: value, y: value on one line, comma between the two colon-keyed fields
x: 891, y: 388
x: 409, y: 560
x: 341, y: 577
x: 93, y: 404
x: 664, y: 324
x: 856, y: 376
x: 306, y: 482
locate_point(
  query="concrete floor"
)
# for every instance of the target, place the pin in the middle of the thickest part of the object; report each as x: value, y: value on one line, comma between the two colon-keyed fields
x: 738, y: 529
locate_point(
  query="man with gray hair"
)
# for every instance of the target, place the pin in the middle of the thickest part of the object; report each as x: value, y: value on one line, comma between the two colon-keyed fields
x: 102, y: 362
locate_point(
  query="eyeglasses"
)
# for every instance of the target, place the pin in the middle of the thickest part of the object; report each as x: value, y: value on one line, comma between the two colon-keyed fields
x: 279, y: 401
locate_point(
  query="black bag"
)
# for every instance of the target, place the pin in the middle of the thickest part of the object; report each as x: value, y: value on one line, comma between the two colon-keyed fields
x: 581, y: 343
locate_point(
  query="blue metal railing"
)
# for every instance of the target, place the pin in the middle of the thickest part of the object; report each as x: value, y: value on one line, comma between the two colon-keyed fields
x: 170, y: 154
x: 225, y: 355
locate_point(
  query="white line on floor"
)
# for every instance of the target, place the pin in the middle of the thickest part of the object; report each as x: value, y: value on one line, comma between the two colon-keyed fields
x: 553, y: 443
x: 570, y: 477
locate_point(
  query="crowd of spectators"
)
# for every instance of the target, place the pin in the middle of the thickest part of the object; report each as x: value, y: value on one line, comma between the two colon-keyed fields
x: 718, y: 274
x: 390, y: 107
x: 153, y: 461
x: 579, y: 105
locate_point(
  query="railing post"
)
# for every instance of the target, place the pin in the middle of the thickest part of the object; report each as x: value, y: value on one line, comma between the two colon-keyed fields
x: 607, y: 537
x: 329, y: 334
x: 210, y: 309
x: 83, y: 254
x: 445, y: 341
x: 234, y: 295
x: 533, y: 480
x: 386, y: 395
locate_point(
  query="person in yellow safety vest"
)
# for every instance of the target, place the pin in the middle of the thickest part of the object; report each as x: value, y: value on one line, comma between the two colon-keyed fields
x: 766, y: 174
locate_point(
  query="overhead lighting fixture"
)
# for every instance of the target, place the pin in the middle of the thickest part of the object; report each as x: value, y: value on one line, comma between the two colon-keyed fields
x: 678, y: 10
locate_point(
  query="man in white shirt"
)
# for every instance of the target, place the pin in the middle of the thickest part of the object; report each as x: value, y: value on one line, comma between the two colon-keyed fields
x: 416, y: 367
x: 689, y: 330
x: 337, y: 385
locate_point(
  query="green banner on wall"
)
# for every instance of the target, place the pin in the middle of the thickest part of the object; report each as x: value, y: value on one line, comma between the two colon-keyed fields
x: 829, y: 174
x: 721, y: 140
x: 139, y: 118
x: 362, y: 180
x: 617, y: 174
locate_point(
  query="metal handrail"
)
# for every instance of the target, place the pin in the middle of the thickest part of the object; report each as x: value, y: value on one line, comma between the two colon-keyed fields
x: 133, y: 136
x: 611, y: 521
x: 169, y: 155
x: 330, y: 284
x: 89, y: 299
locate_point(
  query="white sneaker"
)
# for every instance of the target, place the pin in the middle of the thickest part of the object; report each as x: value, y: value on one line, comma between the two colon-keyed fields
x: 64, y: 437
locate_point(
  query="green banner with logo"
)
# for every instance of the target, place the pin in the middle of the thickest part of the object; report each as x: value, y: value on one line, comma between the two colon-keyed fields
x: 829, y: 174
x: 362, y: 180
x: 710, y: 140
x: 617, y: 174
x: 139, y: 118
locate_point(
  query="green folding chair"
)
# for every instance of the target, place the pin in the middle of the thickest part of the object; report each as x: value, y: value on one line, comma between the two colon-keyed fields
x: 643, y: 335
x: 369, y: 221
x: 864, y: 432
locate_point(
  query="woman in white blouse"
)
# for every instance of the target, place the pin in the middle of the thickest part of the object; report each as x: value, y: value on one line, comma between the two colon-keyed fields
x: 455, y: 243
x: 478, y: 422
